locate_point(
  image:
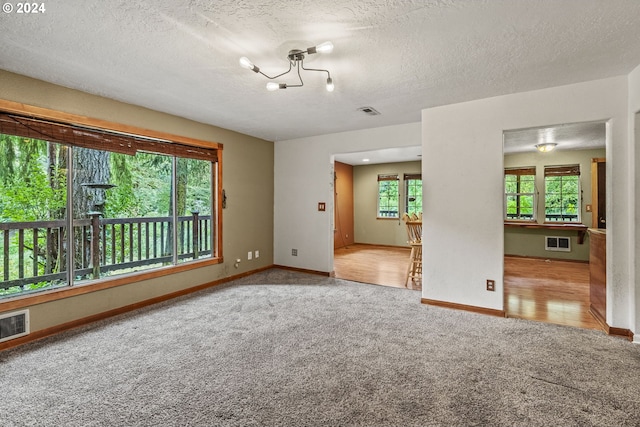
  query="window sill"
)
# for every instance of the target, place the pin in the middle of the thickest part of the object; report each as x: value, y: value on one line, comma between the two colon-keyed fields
x: 581, y: 229
x: 21, y: 301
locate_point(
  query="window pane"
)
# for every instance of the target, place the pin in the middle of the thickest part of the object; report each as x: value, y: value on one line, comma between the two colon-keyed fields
x: 33, y: 225
x: 194, y: 209
x: 413, y: 191
x: 123, y: 210
x: 388, y: 199
x: 520, y: 197
x: 527, y: 185
x: 562, y: 198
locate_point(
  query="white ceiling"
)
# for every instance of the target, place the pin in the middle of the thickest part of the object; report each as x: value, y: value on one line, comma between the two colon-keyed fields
x: 398, y: 56
x: 571, y: 136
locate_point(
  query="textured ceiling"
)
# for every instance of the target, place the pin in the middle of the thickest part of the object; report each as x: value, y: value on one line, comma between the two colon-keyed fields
x: 398, y: 56
x: 570, y: 136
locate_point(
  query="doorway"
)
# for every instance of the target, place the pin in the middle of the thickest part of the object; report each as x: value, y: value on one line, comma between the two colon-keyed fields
x: 370, y: 246
x: 551, y: 197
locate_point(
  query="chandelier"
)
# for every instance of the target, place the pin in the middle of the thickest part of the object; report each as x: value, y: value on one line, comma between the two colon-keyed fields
x: 296, y: 60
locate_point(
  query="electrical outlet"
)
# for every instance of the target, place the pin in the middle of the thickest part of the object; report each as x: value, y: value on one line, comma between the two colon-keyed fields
x: 256, y: 254
x: 249, y: 255
x: 294, y: 252
x: 491, y: 285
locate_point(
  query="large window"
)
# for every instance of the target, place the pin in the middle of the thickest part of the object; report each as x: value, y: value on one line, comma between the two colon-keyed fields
x: 520, y: 194
x: 388, y: 196
x: 413, y: 193
x: 80, y: 204
x: 562, y: 193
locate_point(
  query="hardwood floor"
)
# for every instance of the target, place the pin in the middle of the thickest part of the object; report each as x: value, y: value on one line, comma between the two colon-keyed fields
x: 550, y: 291
x: 380, y: 265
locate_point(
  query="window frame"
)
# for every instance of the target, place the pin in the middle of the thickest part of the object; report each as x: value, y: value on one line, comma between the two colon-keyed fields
x: 408, y: 178
x: 181, y: 143
x: 520, y: 172
x: 563, y: 171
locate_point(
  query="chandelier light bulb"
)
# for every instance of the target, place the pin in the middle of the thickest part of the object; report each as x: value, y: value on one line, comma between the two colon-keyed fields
x: 326, y: 47
x: 245, y: 63
x: 330, y: 86
x: 271, y: 86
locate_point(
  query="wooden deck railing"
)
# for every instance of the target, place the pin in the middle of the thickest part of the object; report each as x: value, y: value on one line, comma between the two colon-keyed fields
x: 34, y: 253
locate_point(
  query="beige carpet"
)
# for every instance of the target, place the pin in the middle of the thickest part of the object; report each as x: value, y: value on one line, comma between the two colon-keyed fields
x: 289, y: 349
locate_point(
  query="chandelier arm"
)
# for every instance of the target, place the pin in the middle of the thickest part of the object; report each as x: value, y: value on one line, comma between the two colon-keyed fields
x: 300, y: 64
x: 279, y: 75
x: 317, y: 69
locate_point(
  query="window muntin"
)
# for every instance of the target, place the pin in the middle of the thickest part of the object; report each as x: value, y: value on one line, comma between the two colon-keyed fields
x: 127, y: 201
x: 520, y: 194
x: 562, y: 193
x: 413, y: 193
x: 388, y: 196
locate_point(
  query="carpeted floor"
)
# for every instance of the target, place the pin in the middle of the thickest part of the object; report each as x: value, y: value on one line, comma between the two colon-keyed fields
x: 281, y: 348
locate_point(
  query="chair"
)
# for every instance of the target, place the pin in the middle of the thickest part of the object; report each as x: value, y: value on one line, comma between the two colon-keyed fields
x: 414, y: 233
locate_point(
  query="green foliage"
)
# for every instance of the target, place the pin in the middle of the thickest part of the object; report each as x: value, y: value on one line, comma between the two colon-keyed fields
x: 28, y: 193
x: 562, y: 196
x: 31, y: 198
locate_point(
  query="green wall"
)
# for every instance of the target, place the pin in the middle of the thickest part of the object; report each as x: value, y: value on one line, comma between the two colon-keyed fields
x: 369, y: 229
x: 530, y: 242
x: 247, y: 222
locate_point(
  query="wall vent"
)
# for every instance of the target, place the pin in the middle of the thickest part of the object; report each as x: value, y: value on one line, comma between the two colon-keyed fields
x: 14, y: 325
x: 554, y: 243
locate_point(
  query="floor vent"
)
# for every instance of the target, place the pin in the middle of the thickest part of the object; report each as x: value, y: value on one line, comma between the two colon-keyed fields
x: 14, y: 325
x: 562, y: 244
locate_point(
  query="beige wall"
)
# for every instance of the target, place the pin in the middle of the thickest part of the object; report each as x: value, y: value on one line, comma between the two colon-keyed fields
x: 369, y: 229
x: 247, y: 178
x: 527, y: 242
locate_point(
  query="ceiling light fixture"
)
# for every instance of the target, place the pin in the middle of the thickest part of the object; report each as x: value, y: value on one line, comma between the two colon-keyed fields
x: 546, y: 147
x: 296, y: 60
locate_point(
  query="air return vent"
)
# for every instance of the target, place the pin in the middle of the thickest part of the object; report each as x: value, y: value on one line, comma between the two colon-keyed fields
x: 369, y: 110
x: 14, y: 325
x: 562, y: 244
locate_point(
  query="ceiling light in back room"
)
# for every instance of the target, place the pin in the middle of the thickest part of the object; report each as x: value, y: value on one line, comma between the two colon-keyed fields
x: 546, y: 147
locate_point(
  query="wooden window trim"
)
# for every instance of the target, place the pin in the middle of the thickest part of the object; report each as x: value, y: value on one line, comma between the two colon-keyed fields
x: 412, y: 176
x: 573, y: 170
x: 74, y: 119
x: 21, y: 301
x: 521, y: 171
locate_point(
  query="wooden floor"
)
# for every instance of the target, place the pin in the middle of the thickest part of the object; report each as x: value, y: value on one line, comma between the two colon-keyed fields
x: 549, y: 291
x: 380, y: 265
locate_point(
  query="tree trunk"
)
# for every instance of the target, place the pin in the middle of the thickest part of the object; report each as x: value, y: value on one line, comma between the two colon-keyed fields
x: 90, y: 167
